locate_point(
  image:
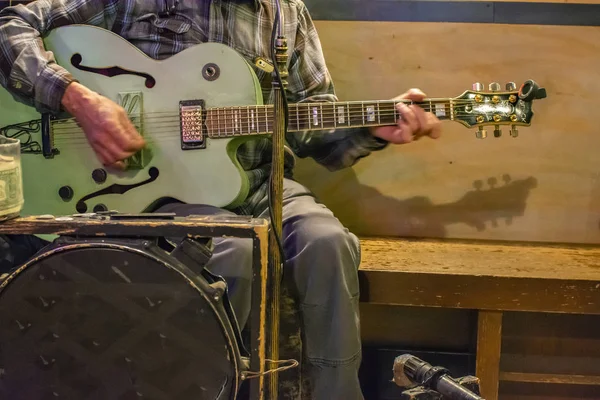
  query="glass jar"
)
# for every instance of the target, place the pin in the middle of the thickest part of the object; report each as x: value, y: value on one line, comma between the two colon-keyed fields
x: 11, y: 181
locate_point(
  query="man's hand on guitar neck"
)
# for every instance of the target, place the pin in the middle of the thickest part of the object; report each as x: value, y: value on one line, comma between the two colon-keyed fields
x: 414, y: 122
x: 105, y: 124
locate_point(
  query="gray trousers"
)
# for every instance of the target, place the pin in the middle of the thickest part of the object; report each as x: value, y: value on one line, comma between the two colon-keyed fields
x: 322, y: 259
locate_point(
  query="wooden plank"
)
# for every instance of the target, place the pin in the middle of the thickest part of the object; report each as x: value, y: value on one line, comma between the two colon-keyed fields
x: 537, y: 187
x: 481, y: 12
x: 489, y: 338
x: 480, y: 292
x: 563, y: 338
x: 550, y: 364
x: 550, y: 378
x: 211, y: 225
x: 482, y: 258
x: 481, y: 275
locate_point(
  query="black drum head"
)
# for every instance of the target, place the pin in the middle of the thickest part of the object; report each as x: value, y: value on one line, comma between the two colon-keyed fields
x: 99, y: 321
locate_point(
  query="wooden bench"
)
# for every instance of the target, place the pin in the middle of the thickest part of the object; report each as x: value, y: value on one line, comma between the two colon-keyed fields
x: 489, y: 277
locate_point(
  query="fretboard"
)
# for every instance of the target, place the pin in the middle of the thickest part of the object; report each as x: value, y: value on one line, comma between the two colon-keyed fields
x: 253, y: 120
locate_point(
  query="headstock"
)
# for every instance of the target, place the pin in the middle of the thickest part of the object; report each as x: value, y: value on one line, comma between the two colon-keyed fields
x: 497, y: 107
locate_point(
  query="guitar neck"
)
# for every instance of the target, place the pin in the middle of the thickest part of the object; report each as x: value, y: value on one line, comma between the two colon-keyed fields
x: 252, y: 120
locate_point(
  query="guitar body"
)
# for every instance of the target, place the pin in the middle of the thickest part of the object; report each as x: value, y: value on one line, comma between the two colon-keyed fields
x: 151, y: 92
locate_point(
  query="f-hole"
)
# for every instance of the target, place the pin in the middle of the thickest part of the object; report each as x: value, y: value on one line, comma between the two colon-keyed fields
x: 77, y: 59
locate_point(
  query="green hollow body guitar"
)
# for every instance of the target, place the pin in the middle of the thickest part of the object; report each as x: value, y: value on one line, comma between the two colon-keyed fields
x: 193, y: 110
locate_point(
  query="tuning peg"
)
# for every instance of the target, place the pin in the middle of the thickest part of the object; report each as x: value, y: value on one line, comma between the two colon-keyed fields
x: 478, y: 87
x: 497, y: 131
x: 511, y: 86
x: 494, y: 86
x: 514, y: 132
x: 481, y: 133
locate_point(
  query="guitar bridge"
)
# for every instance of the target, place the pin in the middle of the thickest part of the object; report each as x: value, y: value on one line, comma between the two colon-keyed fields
x: 192, y: 119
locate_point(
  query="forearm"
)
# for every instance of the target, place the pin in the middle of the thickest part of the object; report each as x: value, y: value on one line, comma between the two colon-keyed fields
x: 336, y: 149
x: 27, y: 70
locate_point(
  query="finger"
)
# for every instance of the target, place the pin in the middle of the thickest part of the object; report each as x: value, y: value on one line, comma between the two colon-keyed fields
x: 102, y: 155
x: 424, y: 122
x: 402, y: 134
x: 436, y: 126
x: 127, y: 136
x: 413, y: 94
x: 116, y: 153
x: 408, y: 116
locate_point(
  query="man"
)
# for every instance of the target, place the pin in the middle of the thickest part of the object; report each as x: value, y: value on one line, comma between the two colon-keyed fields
x: 322, y: 255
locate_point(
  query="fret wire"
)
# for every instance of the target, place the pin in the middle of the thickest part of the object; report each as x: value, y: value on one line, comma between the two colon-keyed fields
x: 348, y: 110
x: 218, y: 123
x: 227, y: 127
x: 321, y: 105
x: 362, y: 103
x: 248, y: 118
x: 234, y: 128
x: 378, y: 114
x: 227, y: 123
x: 221, y: 111
x: 266, y: 120
x: 297, y: 118
x: 335, y: 116
x: 224, y: 133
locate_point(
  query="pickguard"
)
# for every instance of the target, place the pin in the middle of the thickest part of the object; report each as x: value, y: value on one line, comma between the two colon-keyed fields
x: 116, y: 189
x: 77, y: 59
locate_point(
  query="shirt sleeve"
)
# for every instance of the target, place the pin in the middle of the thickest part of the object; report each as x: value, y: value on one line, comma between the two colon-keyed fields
x: 27, y: 70
x: 309, y: 80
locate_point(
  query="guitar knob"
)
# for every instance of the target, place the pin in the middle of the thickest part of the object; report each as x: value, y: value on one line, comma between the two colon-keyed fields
x: 511, y: 86
x: 481, y: 133
x: 494, y: 86
x: 497, y: 131
x: 99, y: 175
x: 514, y: 132
x: 66, y: 193
x: 98, y: 208
x: 477, y: 87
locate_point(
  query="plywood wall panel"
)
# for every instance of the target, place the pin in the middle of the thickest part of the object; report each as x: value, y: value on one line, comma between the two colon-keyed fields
x: 541, y: 186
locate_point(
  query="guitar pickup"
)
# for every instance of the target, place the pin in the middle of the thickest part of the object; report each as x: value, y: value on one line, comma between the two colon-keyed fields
x: 192, y: 117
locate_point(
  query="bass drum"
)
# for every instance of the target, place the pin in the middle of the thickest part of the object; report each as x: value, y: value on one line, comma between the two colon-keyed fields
x: 116, y: 320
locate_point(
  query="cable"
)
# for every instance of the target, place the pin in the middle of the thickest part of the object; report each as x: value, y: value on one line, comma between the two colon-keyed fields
x: 276, y: 26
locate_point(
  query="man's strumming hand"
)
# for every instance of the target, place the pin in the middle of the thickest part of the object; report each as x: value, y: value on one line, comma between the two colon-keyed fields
x: 105, y: 124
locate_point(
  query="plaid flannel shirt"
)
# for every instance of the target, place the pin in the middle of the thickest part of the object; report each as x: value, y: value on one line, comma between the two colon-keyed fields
x: 32, y: 75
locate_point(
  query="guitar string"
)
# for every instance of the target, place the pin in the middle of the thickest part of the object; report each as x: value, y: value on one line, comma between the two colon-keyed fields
x: 214, y: 131
x: 171, y: 133
x: 173, y: 130
x: 232, y: 109
x: 244, y: 118
x: 318, y: 105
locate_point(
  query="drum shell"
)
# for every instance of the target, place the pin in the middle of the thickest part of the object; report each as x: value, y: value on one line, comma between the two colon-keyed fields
x: 116, y: 319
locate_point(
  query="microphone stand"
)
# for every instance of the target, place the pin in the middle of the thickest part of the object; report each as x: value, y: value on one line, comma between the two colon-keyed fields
x: 279, y: 84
